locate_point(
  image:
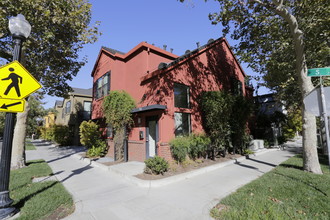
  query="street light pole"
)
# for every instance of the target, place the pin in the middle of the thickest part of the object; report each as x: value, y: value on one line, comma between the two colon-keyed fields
x: 20, y: 30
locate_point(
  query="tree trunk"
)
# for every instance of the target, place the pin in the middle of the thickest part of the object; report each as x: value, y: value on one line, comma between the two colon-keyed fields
x: 119, y: 139
x: 18, y: 152
x: 310, y: 156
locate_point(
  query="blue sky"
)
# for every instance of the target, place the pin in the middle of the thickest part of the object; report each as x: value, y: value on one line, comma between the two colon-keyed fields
x: 126, y: 23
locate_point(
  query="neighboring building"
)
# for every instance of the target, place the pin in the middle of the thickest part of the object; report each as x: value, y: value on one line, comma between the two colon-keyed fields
x: 49, y: 120
x: 166, y: 89
x: 268, y: 105
x: 269, y: 117
x: 74, y: 109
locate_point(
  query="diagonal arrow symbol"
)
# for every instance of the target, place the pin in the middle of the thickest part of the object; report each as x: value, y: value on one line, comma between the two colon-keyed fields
x: 4, y: 106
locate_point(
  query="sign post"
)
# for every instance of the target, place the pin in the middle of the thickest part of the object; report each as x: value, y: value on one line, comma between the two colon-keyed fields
x: 319, y: 72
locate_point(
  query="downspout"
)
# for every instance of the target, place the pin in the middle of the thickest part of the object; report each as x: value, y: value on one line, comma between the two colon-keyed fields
x: 148, y: 53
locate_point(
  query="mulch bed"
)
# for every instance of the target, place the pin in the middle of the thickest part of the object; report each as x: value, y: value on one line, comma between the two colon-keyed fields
x: 176, y: 169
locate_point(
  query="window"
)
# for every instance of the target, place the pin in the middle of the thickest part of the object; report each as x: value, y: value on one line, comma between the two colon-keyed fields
x: 181, y: 96
x: 87, y: 110
x: 68, y: 107
x: 237, y: 86
x: 102, y: 86
x: 182, y: 124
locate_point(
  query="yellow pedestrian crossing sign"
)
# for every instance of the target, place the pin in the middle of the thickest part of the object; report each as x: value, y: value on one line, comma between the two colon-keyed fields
x: 12, y: 105
x: 16, y: 82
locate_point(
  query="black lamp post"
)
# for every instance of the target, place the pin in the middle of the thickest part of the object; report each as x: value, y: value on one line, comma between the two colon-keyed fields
x: 20, y: 30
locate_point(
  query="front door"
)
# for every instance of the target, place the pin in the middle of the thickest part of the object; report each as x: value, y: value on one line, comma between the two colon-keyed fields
x: 152, y: 136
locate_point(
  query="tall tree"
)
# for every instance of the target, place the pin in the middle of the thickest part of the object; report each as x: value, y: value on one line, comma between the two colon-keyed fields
x: 60, y: 29
x: 271, y: 36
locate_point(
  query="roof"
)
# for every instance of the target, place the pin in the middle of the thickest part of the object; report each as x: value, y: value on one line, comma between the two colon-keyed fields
x: 79, y: 91
x: 116, y: 54
x: 164, y: 67
x: 113, y: 51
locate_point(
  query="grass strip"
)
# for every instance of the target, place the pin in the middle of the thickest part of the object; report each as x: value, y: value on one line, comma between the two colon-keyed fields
x: 286, y: 192
x: 29, y: 146
x: 38, y: 200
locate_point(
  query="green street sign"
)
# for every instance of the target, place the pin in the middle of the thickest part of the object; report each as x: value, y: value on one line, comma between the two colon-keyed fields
x: 319, y: 72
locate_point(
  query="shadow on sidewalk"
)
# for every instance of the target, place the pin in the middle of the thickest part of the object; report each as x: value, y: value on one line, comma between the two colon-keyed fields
x: 77, y: 172
x: 263, y: 162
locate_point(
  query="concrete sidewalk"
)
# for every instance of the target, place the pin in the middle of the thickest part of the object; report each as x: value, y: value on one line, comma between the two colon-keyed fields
x: 101, y: 193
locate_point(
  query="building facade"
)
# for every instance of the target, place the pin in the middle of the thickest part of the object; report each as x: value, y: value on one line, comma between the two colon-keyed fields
x: 73, y: 110
x: 166, y: 89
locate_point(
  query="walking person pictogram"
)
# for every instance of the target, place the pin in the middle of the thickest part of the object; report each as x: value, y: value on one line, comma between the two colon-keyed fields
x: 15, y: 81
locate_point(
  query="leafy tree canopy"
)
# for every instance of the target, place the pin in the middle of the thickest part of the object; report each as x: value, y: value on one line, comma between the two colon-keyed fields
x: 265, y: 42
x: 60, y: 29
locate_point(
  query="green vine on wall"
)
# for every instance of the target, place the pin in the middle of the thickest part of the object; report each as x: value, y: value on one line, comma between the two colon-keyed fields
x: 117, y: 109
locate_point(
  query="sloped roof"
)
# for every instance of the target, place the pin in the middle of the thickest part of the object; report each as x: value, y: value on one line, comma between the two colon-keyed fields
x: 113, y: 51
x: 79, y: 91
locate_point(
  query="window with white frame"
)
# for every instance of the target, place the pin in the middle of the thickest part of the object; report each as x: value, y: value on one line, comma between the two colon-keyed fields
x: 182, y: 124
x: 102, y: 86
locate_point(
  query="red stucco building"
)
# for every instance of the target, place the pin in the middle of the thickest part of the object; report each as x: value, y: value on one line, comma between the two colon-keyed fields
x: 166, y: 89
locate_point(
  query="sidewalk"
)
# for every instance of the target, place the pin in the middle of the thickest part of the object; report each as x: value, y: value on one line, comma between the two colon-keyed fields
x: 101, y: 193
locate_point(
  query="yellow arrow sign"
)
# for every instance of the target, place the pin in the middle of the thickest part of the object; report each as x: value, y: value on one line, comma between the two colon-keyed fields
x: 16, y: 82
x: 12, y: 105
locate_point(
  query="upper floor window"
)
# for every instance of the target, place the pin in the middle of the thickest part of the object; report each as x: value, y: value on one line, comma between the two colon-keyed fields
x: 102, y: 86
x: 237, y: 86
x: 181, y: 96
x: 68, y: 107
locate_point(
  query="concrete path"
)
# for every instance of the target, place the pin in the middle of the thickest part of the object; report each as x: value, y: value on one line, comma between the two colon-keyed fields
x: 103, y: 194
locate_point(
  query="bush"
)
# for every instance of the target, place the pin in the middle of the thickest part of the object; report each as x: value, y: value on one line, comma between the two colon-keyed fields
x: 179, y: 148
x: 156, y: 165
x: 198, y: 145
x: 89, y: 133
x: 62, y: 135
x: 99, y: 149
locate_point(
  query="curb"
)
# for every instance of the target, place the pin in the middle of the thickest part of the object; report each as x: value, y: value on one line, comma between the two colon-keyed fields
x: 167, y: 180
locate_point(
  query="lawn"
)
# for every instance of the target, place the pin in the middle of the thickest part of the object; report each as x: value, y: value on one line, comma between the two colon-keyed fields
x: 287, y: 192
x: 29, y: 146
x: 43, y: 200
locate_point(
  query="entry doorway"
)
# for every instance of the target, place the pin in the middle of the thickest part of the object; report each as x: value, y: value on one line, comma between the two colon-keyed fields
x: 151, y: 136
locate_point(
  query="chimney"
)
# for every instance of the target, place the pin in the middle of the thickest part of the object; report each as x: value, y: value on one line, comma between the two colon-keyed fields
x: 197, y: 44
x: 171, y: 50
x: 164, y: 46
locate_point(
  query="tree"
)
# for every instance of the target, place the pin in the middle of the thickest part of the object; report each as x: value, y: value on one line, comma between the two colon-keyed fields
x: 216, y: 108
x: 35, y: 115
x: 271, y: 27
x: 51, y: 52
x: 117, y: 109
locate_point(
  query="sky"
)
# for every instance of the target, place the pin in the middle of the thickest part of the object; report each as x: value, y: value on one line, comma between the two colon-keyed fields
x: 126, y: 23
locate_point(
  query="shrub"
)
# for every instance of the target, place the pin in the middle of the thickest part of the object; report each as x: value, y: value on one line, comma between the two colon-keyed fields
x: 62, y: 135
x: 179, y: 148
x: 99, y: 149
x: 156, y: 165
x: 198, y: 145
x: 89, y: 133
